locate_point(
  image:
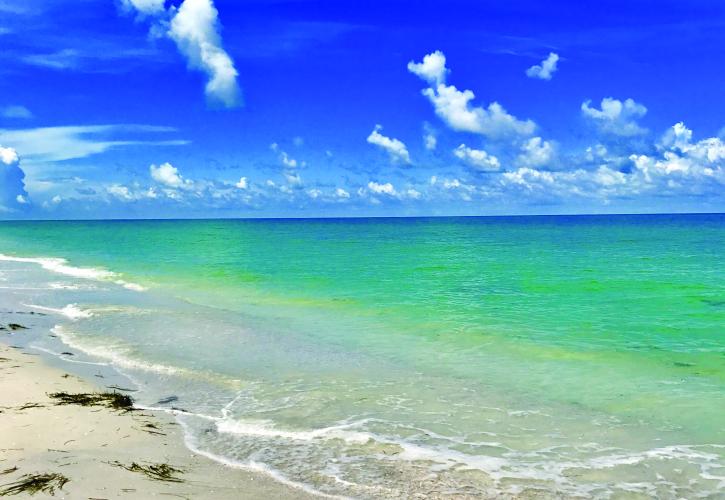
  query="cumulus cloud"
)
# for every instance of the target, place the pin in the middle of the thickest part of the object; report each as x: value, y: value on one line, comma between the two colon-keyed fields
x: 168, y: 175
x: 287, y: 161
x: 683, y: 161
x: 681, y: 167
x: 616, y: 117
x: 454, y: 106
x: 536, y: 152
x: 432, y: 69
x: 477, y: 158
x: 194, y: 27
x: 546, y: 69
x: 242, y: 184
x: 378, y: 188
x: 12, y: 185
x: 395, y: 148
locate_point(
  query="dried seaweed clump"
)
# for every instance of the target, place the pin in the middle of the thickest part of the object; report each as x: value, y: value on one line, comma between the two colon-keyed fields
x: 35, y: 483
x: 111, y: 400
x: 159, y: 472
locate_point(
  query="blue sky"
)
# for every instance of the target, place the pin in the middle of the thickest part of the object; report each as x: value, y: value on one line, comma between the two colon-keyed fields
x: 221, y: 108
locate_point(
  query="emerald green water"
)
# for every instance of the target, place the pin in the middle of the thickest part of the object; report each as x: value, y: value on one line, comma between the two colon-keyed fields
x: 387, y: 357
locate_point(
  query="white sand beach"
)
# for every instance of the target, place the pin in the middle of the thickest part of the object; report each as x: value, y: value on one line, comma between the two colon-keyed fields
x: 90, y: 446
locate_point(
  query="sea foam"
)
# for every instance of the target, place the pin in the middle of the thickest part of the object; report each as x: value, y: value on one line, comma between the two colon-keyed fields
x: 61, y: 266
x: 71, y: 311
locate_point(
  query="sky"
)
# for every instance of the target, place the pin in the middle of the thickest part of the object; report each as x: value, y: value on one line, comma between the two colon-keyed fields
x: 299, y: 108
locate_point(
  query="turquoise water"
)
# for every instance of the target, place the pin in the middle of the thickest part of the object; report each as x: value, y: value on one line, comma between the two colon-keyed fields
x: 539, y: 356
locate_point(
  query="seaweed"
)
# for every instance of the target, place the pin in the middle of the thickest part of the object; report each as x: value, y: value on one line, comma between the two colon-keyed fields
x: 159, y: 472
x: 8, y: 471
x: 15, y: 326
x: 112, y: 400
x: 27, y: 406
x: 152, y: 429
x: 35, y: 483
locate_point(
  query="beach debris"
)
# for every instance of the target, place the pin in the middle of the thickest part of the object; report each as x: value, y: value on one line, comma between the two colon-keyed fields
x: 35, y: 483
x: 113, y: 400
x: 159, y: 472
x: 16, y: 326
x: 126, y: 389
x: 8, y: 471
x: 167, y: 400
x: 66, y: 353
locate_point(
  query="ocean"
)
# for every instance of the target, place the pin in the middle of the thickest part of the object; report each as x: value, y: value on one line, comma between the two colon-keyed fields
x: 386, y: 358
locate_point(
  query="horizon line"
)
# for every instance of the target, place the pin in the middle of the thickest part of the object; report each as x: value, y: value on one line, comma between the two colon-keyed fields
x: 364, y: 217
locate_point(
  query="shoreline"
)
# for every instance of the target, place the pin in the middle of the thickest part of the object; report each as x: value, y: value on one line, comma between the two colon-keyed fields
x: 90, y: 451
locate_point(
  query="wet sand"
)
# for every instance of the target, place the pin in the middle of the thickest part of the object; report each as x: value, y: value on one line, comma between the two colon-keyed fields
x: 91, y: 446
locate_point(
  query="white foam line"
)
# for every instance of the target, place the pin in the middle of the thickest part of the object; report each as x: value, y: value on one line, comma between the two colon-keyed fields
x: 61, y: 266
x: 71, y: 311
x: 252, y: 466
x: 66, y: 358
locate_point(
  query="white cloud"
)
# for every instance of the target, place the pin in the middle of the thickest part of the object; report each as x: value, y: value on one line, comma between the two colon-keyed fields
x: 477, y: 158
x: 395, y: 148
x: 51, y: 144
x: 536, y: 152
x: 454, y: 106
x: 168, y: 175
x: 18, y: 112
x: 413, y: 194
x: 195, y: 30
x: 12, y: 180
x: 62, y: 59
x: 145, y: 7
x: 386, y: 188
x: 194, y: 27
x: 242, y: 184
x: 682, y: 167
x: 546, y: 69
x: 292, y: 177
x: 8, y: 156
x: 616, y: 117
x: 432, y: 69
x: 287, y: 161
x: 120, y: 192
x: 341, y: 193
x: 431, y: 141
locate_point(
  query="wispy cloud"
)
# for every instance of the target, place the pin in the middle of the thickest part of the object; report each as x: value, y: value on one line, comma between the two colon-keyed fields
x: 16, y: 112
x: 53, y: 144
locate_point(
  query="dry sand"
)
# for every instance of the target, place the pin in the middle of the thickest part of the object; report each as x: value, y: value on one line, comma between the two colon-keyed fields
x: 83, y: 443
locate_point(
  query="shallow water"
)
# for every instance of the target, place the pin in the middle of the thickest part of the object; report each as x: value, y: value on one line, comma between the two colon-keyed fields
x: 392, y: 357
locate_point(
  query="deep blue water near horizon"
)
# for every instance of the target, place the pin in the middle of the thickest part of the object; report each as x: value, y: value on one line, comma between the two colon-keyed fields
x: 383, y: 357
